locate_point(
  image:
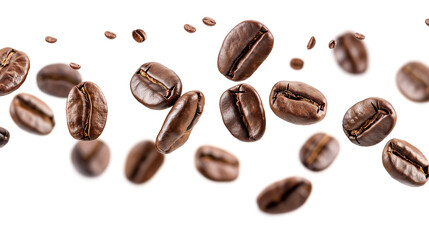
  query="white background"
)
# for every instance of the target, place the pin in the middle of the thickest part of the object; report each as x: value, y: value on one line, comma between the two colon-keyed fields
x: 43, y: 197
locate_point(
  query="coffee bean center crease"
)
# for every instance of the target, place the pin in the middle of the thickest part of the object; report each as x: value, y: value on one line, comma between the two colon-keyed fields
x: 5, y: 61
x: 318, y: 149
x: 146, y: 75
x: 276, y: 201
x: 288, y: 94
x: 397, y: 152
x: 89, y: 111
x: 379, y: 113
x: 25, y: 103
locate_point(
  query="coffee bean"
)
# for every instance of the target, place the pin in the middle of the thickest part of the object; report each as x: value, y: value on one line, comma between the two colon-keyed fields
x: 14, y: 66
x: 32, y: 114
x: 285, y: 195
x: 4, y: 137
x: 244, y: 49
x: 74, y: 65
x: 359, y: 36
x: 405, y: 163
x: 180, y: 121
x: 86, y: 111
x: 209, y: 21
x: 90, y: 158
x: 143, y: 162
x: 243, y: 113
x: 311, y: 43
x: 156, y: 86
x: 139, y: 35
x: 110, y: 35
x: 216, y: 164
x: 57, y: 79
x: 369, y: 121
x: 332, y: 44
x: 413, y: 81
x: 351, y: 54
x: 296, y: 63
x: 189, y: 28
x: 427, y: 21
x: 298, y: 103
x: 50, y: 39
x: 319, y: 151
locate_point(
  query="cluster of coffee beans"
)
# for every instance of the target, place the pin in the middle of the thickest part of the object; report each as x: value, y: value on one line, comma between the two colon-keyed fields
x: 157, y: 87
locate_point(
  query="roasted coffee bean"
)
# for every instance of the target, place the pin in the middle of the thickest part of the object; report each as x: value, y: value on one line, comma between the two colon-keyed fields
x: 74, y: 65
x: 156, y: 86
x: 216, y: 164
x: 285, y: 195
x: 4, y: 137
x: 405, y: 163
x: 427, y: 21
x: 57, y: 79
x: 311, y: 43
x: 50, y: 39
x: 110, y: 35
x: 350, y: 54
x: 90, y: 158
x: 86, y: 111
x: 143, y: 162
x: 32, y: 114
x: 243, y: 113
x: 189, y: 28
x: 244, y: 49
x: 139, y: 35
x: 359, y: 36
x: 413, y: 81
x: 296, y: 63
x: 332, y: 44
x: 180, y: 121
x: 14, y: 66
x: 209, y: 21
x: 369, y: 121
x: 298, y: 103
x: 319, y: 151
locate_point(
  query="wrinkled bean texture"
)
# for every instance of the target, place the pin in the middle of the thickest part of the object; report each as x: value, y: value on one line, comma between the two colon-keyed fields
x: 319, y: 151
x: 413, y: 81
x: 216, y: 164
x: 14, y: 67
x: 58, y: 79
x: 351, y: 54
x: 90, y: 158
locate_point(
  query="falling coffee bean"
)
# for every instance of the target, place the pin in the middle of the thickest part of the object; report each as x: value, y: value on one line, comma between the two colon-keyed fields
x: 57, y: 79
x: 311, y: 43
x: 359, y: 36
x: 50, y: 39
x: 32, y: 114
x: 143, y: 162
x: 332, y: 44
x: 319, y: 151
x: 296, y: 63
x: 285, y: 195
x: 350, y: 54
x: 4, y: 137
x: 216, y: 164
x: 110, y: 35
x: 139, y: 35
x: 90, y: 158
x: 75, y: 66
x: 405, y: 163
x: 189, y: 28
x: 14, y: 66
x: 427, y: 21
x: 209, y: 21
x: 413, y: 81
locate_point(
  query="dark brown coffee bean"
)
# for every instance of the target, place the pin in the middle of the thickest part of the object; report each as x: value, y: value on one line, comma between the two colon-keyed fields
x: 32, y: 114
x: 139, y: 35
x: 189, y: 28
x: 4, y: 137
x: 413, y: 81
x: 14, y: 66
x: 244, y: 49
x: 86, y: 111
x: 243, y: 113
x: 209, y: 21
x: 57, y: 79
x: 50, y: 39
x: 319, y: 151
x: 350, y: 54
x: 296, y: 63
x: 427, y: 21
x: 90, y: 158
x: 298, y: 103
x: 405, y: 163
x: 216, y: 164
x: 180, y: 121
x: 156, y: 86
x: 110, y: 35
x: 74, y: 65
x: 332, y: 44
x: 311, y: 43
x: 369, y: 121
x: 143, y: 162
x: 359, y: 36
x: 285, y: 195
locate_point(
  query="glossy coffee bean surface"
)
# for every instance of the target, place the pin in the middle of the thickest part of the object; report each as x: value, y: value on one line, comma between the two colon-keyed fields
x: 14, y: 67
x: 58, y: 79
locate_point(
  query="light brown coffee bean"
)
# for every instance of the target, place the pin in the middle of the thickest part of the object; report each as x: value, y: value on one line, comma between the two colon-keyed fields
x: 50, y: 39
x: 209, y: 21
x: 216, y: 164
x: 139, y: 35
x: 359, y: 36
x: 311, y: 43
x: 74, y: 65
x: 189, y: 28
x: 296, y: 63
x: 427, y: 21
x: 332, y: 44
x: 110, y: 35
x: 90, y: 158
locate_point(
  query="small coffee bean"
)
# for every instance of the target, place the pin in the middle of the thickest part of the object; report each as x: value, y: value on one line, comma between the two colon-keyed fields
x: 285, y: 195
x: 14, y: 66
x: 413, y: 81
x: 296, y: 63
x: 332, y: 44
x: 86, y: 111
x: 50, y: 39
x: 243, y: 113
x: 110, y: 35
x: 405, y: 163
x: 4, y: 137
x: 90, y: 158
x: 143, y: 162
x: 311, y: 43
x: 350, y: 54
x: 298, y: 103
x: 216, y: 164
x: 156, y: 86
x: 427, y: 21
x: 359, y: 36
x: 369, y: 121
x: 189, y: 28
x: 244, y: 49
x: 32, y: 114
x: 74, y: 65
x: 180, y: 121
x: 209, y: 21
x: 139, y: 35
x: 57, y: 79
x: 319, y: 151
